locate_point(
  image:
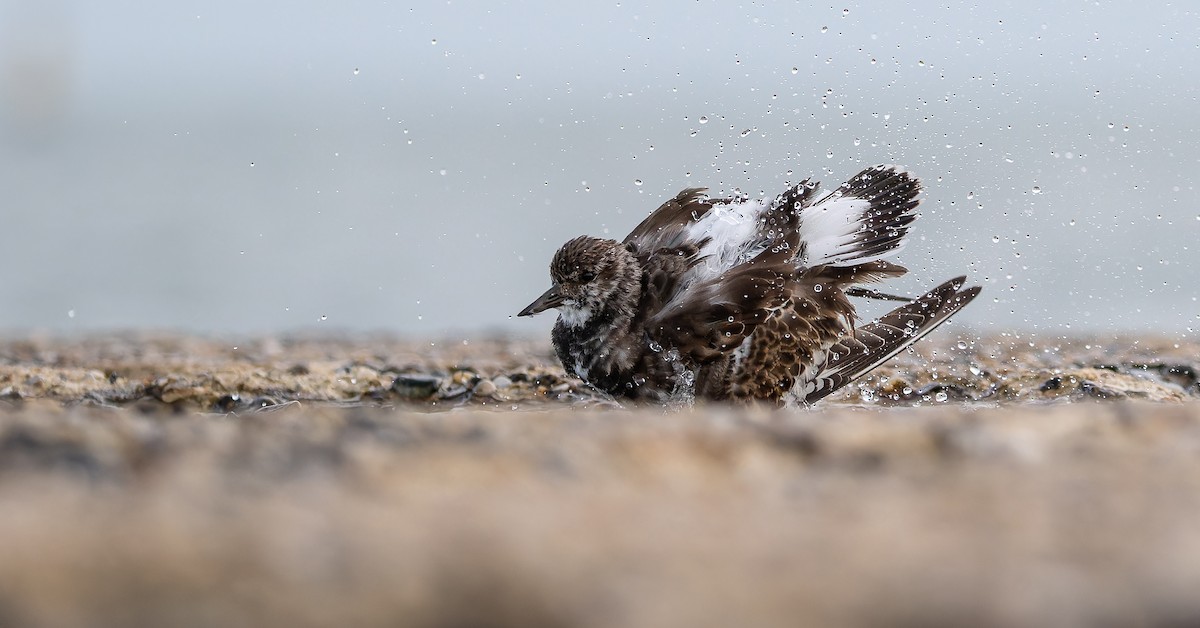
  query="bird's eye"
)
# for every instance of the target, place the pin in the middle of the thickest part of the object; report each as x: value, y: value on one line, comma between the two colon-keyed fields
x: 587, y: 277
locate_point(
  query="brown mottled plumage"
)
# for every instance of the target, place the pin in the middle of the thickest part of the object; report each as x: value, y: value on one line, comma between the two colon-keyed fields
x: 742, y: 299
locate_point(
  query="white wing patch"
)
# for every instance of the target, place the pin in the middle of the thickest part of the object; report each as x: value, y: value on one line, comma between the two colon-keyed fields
x: 733, y: 232
x: 828, y: 230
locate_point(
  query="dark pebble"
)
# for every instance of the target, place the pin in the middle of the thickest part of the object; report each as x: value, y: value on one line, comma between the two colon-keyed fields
x: 1054, y: 383
x: 1092, y: 389
x: 953, y: 391
x: 228, y: 403
x: 416, y: 385
x: 451, y: 393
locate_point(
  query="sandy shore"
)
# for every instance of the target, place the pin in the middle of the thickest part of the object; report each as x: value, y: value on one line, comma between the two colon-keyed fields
x: 1008, y: 481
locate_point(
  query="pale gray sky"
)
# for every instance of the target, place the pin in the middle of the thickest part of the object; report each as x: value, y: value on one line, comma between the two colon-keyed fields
x: 244, y: 167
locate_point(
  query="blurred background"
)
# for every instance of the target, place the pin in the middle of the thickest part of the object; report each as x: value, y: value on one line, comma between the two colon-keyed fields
x: 234, y: 167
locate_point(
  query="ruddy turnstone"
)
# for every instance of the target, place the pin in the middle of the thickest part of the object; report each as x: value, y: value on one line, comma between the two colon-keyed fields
x: 743, y: 299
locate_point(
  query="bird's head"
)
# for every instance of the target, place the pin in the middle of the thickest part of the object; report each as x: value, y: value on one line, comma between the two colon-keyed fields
x: 590, y: 275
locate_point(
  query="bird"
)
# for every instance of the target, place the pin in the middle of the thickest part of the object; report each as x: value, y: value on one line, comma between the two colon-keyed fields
x: 744, y: 300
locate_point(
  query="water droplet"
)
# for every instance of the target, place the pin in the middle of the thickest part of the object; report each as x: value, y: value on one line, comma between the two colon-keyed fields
x: 824, y: 29
x: 324, y: 317
x: 703, y: 119
x: 252, y: 164
x: 817, y: 288
x: 845, y: 12
x: 970, y: 195
x: 995, y: 239
x: 1037, y: 190
x: 433, y: 42
x: 921, y: 62
x: 941, y: 397
x: 70, y: 313
x: 962, y: 344
x: 637, y: 182
x: 355, y: 71
x: 518, y: 77
x: 746, y: 132
x: 795, y: 70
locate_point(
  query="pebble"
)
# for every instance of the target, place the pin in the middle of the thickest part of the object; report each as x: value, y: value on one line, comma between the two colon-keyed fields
x: 502, y: 382
x: 485, y: 388
x: 416, y: 385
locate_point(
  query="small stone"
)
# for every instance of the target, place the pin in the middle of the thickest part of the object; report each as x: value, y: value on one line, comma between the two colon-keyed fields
x: 463, y: 378
x: 485, y: 388
x: 561, y: 388
x: 502, y: 382
x: 173, y: 394
x: 451, y: 393
x: 416, y: 385
x: 228, y: 402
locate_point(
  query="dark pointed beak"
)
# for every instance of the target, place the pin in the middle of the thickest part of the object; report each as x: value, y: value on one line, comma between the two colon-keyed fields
x: 550, y: 298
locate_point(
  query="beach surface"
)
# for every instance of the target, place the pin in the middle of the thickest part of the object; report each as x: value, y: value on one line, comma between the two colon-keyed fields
x: 1007, y: 480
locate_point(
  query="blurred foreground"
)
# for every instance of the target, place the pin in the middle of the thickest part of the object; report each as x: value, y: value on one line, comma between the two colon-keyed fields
x: 181, y: 481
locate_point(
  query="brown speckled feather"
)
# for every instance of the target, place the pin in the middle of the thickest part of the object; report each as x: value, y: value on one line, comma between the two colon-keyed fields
x: 712, y: 317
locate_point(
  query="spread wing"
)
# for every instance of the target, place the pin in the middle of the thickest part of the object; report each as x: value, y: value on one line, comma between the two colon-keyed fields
x: 711, y: 277
x: 707, y: 318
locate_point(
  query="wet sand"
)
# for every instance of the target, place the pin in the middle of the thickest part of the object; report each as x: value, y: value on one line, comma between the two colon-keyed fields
x: 1006, y: 481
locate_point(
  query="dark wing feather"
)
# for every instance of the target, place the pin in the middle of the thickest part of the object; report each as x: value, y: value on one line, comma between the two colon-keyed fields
x: 665, y: 227
x: 662, y: 272
x: 878, y: 341
x: 712, y: 316
x: 869, y: 272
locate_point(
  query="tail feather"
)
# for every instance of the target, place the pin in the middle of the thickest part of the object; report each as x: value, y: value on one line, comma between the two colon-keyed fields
x: 878, y: 341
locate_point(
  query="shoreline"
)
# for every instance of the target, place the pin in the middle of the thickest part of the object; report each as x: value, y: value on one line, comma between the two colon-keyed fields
x: 204, y: 374
x: 348, y: 500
